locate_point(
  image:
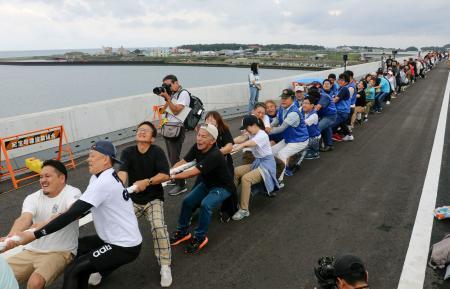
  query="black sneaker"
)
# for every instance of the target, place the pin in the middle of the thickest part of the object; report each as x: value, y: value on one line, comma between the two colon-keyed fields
x: 224, y: 217
x: 179, y: 237
x: 177, y: 190
x: 326, y: 149
x: 195, y: 245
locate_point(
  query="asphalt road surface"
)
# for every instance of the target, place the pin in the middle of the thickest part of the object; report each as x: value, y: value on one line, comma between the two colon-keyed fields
x: 361, y: 199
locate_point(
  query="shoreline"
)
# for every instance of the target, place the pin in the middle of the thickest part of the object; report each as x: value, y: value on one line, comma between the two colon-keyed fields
x: 152, y: 63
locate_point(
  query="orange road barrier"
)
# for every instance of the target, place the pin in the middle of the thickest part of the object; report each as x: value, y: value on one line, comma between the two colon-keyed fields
x: 158, y: 111
x: 55, y: 133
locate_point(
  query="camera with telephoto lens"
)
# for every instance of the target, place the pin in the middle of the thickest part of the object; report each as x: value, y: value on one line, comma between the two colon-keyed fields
x: 163, y: 88
x: 325, y: 273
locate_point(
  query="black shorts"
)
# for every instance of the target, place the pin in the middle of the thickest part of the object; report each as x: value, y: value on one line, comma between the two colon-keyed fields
x: 106, y: 257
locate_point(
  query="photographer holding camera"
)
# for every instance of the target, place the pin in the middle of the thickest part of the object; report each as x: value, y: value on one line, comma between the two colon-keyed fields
x: 176, y: 107
x: 345, y: 272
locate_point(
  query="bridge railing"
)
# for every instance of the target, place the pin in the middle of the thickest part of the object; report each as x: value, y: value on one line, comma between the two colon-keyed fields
x: 115, y: 119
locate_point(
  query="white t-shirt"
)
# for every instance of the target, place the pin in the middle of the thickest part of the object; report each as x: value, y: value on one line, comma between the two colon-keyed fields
x: 112, y: 212
x: 43, y: 208
x: 312, y: 119
x: 262, y: 148
x: 253, y: 77
x: 266, y: 121
x: 184, y: 99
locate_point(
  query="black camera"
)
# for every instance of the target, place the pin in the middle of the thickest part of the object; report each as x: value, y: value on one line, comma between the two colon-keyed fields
x: 325, y: 273
x: 163, y: 88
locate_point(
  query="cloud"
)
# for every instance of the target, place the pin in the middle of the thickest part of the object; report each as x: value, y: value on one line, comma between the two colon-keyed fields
x: 46, y: 24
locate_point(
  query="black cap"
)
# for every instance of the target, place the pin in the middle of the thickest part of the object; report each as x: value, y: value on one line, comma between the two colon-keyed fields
x: 348, y: 265
x: 287, y: 93
x: 248, y: 120
x: 106, y: 148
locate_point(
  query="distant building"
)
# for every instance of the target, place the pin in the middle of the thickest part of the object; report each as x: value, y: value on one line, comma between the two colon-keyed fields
x: 208, y: 53
x: 158, y: 52
x: 107, y: 50
x: 122, y: 51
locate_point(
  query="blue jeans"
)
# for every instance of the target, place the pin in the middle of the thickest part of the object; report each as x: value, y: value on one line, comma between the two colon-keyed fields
x: 254, y: 95
x: 379, y: 97
x: 326, y: 128
x: 341, y: 120
x: 208, y: 200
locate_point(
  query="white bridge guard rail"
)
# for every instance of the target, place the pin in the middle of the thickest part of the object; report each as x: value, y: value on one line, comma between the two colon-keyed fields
x: 99, y: 118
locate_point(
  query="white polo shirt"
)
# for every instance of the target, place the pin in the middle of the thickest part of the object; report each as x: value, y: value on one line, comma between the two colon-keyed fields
x: 43, y: 208
x: 112, y: 211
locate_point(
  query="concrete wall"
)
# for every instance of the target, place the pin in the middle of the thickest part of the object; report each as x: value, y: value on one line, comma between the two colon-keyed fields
x: 117, y: 117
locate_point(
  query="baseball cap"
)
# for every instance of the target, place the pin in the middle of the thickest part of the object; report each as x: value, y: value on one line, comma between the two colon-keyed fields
x: 299, y: 88
x: 248, y: 120
x: 348, y: 265
x: 106, y: 148
x: 211, y: 129
x: 287, y: 93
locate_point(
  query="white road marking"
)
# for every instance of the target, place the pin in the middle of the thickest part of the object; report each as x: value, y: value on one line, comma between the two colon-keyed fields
x: 413, y: 273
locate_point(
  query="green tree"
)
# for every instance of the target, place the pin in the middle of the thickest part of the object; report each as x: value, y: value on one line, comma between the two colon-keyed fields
x: 412, y: 48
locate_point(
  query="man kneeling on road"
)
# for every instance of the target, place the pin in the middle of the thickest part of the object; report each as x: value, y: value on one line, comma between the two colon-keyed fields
x: 291, y: 123
x: 43, y: 260
x: 215, y: 186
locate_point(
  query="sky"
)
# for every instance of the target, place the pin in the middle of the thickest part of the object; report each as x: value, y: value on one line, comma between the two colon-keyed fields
x: 72, y: 24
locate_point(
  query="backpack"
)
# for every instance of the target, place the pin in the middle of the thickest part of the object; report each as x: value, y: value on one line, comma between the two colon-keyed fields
x: 196, y: 113
x: 440, y: 253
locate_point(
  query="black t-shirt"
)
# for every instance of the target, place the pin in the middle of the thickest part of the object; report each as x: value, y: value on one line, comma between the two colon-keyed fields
x: 361, y: 100
x: 213, y: 167
x: 222, y: 140
x: 144, y: 166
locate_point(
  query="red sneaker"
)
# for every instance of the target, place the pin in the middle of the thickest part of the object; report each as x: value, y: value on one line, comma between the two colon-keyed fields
x: 337, y: 137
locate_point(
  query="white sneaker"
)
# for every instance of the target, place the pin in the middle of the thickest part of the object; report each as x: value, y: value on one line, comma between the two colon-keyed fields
x: 388, y: 102
x: 95, y: 279
x: 166, y: 276
x: 240, y: 214
x: 348, y: 138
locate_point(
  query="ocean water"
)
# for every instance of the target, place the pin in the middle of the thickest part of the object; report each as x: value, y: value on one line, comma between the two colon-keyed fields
x: 28, y: 89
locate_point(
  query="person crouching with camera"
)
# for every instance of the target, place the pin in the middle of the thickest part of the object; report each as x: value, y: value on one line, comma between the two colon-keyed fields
x: 344, y: 272
x: 173, y: 131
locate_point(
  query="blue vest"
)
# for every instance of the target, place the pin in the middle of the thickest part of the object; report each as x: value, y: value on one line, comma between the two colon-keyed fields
x: 355, y: 92
x: 293, y: 134
x: 313, y: 130
x: 343, y: 105
x: 328, y: 110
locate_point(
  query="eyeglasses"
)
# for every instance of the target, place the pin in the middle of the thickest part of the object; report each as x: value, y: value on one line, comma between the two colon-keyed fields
x: 144, y: 130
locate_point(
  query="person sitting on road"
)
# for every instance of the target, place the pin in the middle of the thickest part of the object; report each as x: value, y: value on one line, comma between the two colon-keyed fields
x: 312, y: 121
x: 225, y: 144
x: 260, y: 112
x: 216, y: 185
x: 384, y: 90
x: 342, y: 102
x: 263, y: 168
x: 43, y: 260
x: 334, y: 85
x: 360, y: 104
x: 370, y: 96
x: 272, y: 111
x: 290, y: 122
x: 326, y: 110
x: 299, y: 95
x: 145, y: 165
